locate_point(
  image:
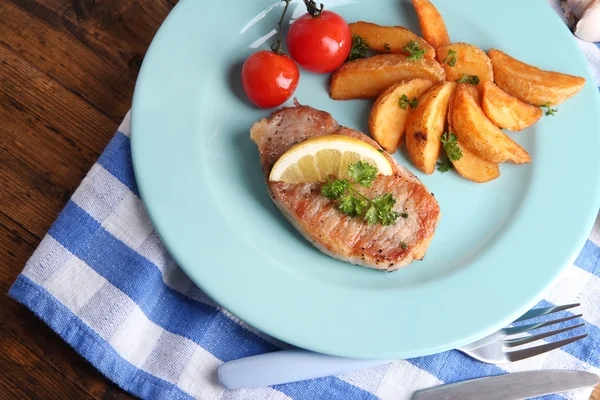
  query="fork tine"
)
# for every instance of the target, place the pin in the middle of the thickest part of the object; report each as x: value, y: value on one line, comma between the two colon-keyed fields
x: 526, y: 328
x: 534, y: 351
x: 529, y: 339
x: 538, y: 312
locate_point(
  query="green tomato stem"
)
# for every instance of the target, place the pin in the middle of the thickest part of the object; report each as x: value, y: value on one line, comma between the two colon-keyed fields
x: 277, y: 47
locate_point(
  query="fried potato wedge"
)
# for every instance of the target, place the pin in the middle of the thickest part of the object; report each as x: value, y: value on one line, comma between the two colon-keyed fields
x: 479, y: 135
x: 432, y: 24
x: 468, y: 60
x: 507, y: 111
x: 389, y: 39
x: 472, y: 91
x: 474, y: 168
x: 387, y: 121
x: 368, y: 77
x: 531, y: 84
x: 426, y: 125
x: 470, y: 165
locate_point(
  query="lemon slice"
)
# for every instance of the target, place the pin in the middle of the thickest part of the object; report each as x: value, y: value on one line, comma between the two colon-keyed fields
x: 315, y: 159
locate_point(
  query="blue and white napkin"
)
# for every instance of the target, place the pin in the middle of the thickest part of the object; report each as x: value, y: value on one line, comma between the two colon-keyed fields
x: 104, y: 282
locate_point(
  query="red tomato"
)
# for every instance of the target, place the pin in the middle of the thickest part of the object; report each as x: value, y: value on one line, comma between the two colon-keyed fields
x: 319, y: 44
x: 269, y: 79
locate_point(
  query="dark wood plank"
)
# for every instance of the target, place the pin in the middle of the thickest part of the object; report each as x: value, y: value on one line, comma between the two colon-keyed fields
x: 40, y: 96
x: 65, y: 60
x: 26, y: 376
x: 118, y: 31
x: 48, y: 140
x: 115, y: 393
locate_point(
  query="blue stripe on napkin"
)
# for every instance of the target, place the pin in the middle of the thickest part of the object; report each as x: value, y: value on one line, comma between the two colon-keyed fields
x: 116, y: 158
x: 90, y: 345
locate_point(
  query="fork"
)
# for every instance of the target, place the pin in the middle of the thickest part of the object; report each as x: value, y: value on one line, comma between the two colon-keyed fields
x: 295, y: 365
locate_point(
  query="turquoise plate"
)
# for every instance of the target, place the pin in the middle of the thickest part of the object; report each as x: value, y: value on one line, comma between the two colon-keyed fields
x: 498, y: 246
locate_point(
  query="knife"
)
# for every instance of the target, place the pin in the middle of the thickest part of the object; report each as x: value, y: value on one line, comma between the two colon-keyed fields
x: 516, y: 386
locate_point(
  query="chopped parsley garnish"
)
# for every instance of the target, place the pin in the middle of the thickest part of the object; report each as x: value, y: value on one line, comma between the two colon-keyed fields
x: 403, y: 245
x: 444, y: 166
x: 386, y: 46
x: 549, y: 111
x: 378, y: 210
x: 359, y: 48
x: 403, y: 101
x: 472, y: 79
x: 453, y: 152
x: 450, y: 58
x: 450, y: 144
x: 414, y: 51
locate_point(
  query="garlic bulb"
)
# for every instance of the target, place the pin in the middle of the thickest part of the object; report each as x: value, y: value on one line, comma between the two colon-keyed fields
x: 583, y: 17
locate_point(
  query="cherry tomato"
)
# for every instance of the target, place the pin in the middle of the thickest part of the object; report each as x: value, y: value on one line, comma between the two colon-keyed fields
x: 269, y: 79
x: 319, y: 44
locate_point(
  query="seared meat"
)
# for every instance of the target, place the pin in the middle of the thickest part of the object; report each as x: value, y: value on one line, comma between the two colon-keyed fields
x: 318, y: 219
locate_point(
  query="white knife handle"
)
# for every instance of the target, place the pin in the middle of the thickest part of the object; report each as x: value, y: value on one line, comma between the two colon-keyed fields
x: 287, y: 366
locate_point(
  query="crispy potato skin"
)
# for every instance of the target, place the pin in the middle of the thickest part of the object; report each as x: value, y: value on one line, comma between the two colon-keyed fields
x: 387, y: 121
x: 507, y: 111
x: 396, y: 37
x: 470, y: 60
x: 472, y: 90
x: 368, y: 77
x: 426, y: 125
x: 471, y: 166
x: 531, y: 84
x: 474, y: 168
x: 432, y: 24
x: 479, y: 135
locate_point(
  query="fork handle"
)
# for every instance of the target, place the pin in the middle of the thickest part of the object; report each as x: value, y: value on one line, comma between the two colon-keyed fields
x: 287, y: 366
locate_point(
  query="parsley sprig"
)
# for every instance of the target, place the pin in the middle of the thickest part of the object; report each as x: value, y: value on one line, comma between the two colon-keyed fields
x: 404, y: 101
x: 453, y: 152
x: 359, y: 48
x: 450, y: 58
x: 549, y: 111
x: 378, y: 210
x: 472, y: 79
x: 444, y: 166
x: 450, y: 144
x: 414, y: 51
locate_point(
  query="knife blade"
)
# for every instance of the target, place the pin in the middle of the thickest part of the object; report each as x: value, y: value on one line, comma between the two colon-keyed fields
x: 516, y: 386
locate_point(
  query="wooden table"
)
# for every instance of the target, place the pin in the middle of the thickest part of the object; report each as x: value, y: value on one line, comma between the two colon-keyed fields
x: 67, y: 72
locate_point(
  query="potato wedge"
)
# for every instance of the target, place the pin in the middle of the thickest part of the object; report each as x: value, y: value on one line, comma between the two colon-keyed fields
x: 470, y: 60
x: 432, y: 24
x: 389, y: 39
x: 531, y: 84
x: 426, y: 125
x: 472, y: 91
x: 474, y: 168
x: 387, y: 121
x: 367, y: 77
x: 479, y: 135
x: 470, y: 165
x: 507, y: 111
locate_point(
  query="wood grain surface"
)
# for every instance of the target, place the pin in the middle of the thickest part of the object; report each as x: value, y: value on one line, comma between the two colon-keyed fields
x: 67, y: 72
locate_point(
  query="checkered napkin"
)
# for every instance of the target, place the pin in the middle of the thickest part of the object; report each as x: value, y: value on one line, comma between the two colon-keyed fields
x: 104, y: 282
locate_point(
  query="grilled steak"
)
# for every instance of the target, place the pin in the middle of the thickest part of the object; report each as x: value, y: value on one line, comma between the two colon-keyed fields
x: 318, y: 219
